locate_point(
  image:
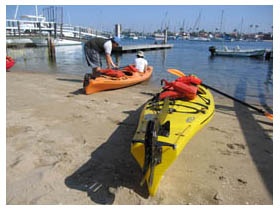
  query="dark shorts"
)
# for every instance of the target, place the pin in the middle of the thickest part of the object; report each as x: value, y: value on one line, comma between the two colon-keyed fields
x: 92, y: 57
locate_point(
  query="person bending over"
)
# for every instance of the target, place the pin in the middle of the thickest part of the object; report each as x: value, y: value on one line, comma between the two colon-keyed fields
x: 93, y: 49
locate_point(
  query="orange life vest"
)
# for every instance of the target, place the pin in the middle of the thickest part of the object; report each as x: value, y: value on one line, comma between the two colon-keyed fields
x: 9, y: 62
x: 183, y: 87
x: 130, y: 68
x: 112, y: 73
x: 191, y: 79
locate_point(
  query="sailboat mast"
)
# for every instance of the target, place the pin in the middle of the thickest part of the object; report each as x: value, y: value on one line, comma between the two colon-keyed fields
x: 241, y: 26
x: 197, y: 22
x: 15, y: 16
x: 222, y: 17
x: 36, y: 13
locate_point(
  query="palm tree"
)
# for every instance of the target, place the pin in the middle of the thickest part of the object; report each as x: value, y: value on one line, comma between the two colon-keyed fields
x: 256, y: 26
x: 251, y: 26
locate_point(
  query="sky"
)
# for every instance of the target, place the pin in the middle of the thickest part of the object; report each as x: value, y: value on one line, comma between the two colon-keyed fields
x: 149, y: 18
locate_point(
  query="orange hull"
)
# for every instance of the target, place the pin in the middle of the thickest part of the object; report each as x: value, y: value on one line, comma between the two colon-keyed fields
x: 110, y: 83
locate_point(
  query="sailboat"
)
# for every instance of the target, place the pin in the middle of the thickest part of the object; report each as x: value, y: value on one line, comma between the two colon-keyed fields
x: 196, y: 27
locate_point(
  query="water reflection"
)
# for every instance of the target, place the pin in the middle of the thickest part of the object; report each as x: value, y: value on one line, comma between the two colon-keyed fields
x: 52, y: 64
x: 265, y: 93
x: 269, y: 78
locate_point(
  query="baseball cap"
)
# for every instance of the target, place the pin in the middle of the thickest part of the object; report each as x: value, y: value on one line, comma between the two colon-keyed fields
x: 116, y: 39
x: 140, y: 53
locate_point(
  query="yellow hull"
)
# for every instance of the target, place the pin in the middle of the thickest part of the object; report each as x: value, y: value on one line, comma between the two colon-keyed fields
x: 185, y: 119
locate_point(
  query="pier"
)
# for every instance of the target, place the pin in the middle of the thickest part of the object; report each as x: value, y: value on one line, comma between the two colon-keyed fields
x: 144, y: 47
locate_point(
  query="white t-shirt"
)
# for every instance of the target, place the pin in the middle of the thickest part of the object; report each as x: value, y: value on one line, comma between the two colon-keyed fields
x: 140, y: 64
x: 108, y: 47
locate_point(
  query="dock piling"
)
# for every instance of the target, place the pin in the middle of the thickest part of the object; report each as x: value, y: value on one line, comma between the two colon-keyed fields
x: 51, y: 48
x: 18, y: 24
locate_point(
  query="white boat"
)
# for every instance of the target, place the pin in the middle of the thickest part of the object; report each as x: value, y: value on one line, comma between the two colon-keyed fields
x: 29, y: 25
x: 237, y: 52
x: 199, y: 39
x: 158, y: 36
x: 19, y: 41
x: 42, y: 42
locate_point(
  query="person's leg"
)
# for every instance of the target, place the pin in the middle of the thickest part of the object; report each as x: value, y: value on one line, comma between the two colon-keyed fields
x: 93, y: 60
x: 96, y: 72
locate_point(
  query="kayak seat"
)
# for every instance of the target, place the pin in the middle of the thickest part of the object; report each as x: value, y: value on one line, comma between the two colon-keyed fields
x: 127, y: 73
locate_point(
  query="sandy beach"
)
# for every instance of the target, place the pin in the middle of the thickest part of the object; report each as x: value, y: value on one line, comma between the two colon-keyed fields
x: 65, y: 147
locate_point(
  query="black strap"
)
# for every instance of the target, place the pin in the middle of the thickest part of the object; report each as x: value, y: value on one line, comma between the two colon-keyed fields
x: 206, y: 100
x: 171, y: 110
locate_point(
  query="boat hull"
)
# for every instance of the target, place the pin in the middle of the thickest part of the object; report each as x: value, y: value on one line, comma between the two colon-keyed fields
x: 187, y: 119
x: 109, y: 83
x: 39, y: 42
x: 248, y: 53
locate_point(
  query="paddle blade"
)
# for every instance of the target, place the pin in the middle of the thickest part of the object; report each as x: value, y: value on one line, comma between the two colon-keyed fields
x: 164, y: 111
x: 176, y: 72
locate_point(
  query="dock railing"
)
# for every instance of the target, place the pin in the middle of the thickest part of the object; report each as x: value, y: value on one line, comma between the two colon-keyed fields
x: 26, y: 28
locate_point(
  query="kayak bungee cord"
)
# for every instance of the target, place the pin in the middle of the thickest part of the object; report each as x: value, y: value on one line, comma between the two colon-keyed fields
x: 181, y: 74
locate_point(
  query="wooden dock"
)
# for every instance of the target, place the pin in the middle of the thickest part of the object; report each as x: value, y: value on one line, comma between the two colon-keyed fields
x: 146, y: 47
x: 20, y: 41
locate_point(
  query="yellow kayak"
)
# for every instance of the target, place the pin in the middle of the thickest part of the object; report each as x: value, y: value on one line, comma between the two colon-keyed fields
x: 164, y: 129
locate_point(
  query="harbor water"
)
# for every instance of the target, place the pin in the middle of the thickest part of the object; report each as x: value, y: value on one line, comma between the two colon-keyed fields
x: 248, y: 79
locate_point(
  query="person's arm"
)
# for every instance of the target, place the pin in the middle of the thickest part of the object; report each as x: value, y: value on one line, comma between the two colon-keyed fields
x: 108, y: 50
x: 146, y: 66
x: 110, y: 62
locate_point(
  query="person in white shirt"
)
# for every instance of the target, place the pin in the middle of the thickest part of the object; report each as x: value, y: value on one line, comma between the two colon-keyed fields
x: 140, y: 62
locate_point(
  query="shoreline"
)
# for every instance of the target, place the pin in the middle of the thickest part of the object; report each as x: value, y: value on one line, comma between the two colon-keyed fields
x: 64, y: 147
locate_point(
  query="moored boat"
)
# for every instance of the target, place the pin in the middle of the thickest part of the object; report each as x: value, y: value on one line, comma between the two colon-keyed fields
x: 237, y: 52
x: 164, y: 128
x: 42, y: 42
x: 199, y: 39
x: 115, y: 81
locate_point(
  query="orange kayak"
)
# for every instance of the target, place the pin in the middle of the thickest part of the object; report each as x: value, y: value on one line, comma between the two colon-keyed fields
x: 105, y: 82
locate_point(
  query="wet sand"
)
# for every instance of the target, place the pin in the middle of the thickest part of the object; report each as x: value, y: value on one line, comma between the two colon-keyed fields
x: 64, y: 147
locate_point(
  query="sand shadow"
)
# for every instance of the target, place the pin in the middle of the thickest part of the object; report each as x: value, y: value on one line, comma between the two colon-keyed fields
x: 76, y: 92
x: 111, y: 166
x: 148, y: 93
x: 80, y: 91
x: 226, y: 109
x: 71, y: 80
x: 258, y: 140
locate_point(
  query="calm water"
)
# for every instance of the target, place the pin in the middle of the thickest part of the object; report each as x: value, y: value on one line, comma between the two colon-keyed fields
x: 248, y: 79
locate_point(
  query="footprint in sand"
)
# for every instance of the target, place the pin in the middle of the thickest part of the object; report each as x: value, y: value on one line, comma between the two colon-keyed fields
x: 235, y: 148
